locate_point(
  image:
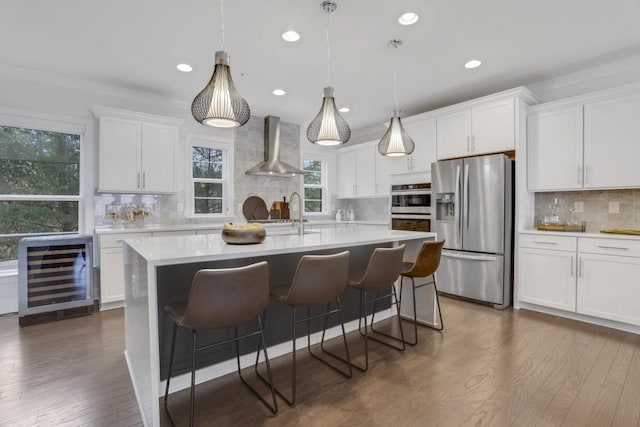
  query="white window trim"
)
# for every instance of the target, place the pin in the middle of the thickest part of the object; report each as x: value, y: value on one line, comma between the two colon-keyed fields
x: 324, y: 158
x: 227, y: 174
x: 62, y: 124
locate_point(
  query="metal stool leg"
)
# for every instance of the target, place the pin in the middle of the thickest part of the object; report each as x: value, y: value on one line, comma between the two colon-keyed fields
x: 363, y: 314
x: 166, y: 391
x: 348, y: 374
x: 415, y: 313
x: 395, y: 338
x: 192, y: 402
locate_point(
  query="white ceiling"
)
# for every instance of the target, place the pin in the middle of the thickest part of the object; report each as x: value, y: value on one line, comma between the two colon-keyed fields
x: 137, y: 44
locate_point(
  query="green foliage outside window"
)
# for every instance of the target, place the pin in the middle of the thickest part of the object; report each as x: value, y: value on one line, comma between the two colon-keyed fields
x: 36, y: 164
x: 207, y: 174
x: 312, y: 185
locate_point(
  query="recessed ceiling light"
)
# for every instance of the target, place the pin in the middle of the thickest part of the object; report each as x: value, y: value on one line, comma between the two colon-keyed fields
x: 344, y: 110
x: 278, y: 92
x: 291, y: 36
x: 185, y: 68
x: 474, y: 63
x: 408, y: 18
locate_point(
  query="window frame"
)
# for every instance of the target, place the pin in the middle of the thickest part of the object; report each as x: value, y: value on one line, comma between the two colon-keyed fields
x: 217, y: 143
x: 59, y: 124
x: 324, y: 168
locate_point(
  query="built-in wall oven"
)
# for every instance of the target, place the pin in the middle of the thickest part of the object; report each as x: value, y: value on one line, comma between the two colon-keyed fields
x: 411, y: 207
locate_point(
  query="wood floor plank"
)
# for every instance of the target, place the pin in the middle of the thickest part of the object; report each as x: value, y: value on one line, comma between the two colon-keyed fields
x: 628, y: 410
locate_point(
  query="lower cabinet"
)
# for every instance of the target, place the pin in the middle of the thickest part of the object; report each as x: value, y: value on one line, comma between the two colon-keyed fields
x: 582, y: 275
x: 111, y: 276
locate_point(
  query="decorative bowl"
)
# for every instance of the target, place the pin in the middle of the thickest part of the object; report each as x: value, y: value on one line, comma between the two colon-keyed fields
x: 238, y: 236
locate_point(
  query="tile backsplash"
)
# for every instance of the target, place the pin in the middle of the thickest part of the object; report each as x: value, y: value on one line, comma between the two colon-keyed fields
x: 378, y: 209
x: 601, y: 208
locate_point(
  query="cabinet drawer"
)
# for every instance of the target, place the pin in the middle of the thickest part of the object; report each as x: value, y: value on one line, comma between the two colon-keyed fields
x: 619, y: 247
x: 115, y: 240
x: 556, y: 243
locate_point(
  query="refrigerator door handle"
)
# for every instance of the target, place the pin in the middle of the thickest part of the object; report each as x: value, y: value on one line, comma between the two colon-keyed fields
x: 470, y: 257
x: 466, y: 193
x: 456, y: 209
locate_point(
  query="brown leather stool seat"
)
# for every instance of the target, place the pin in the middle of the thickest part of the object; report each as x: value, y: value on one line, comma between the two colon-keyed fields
x: 383, y: 269
x: 220, y: 299
x: 319, y: 279
x: 426, y: 264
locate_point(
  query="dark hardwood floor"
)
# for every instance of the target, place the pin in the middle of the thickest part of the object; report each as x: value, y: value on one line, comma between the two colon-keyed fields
x: 489, y: 367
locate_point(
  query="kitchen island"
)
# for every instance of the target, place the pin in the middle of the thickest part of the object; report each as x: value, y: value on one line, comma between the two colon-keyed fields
x: 158, y: 271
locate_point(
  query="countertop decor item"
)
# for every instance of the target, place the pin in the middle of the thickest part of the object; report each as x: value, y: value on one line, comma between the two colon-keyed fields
x: 562, y: 227
x: 328, y: 127
x: 249, y: 234
x: 396, y: 141
x: 621, y: 231
x: 255, y: 208
x: 219, y: 104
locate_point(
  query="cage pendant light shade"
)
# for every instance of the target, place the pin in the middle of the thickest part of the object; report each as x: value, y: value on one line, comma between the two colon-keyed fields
x: 328, y: 127
x: 219, y: 104
x: 396, y: 141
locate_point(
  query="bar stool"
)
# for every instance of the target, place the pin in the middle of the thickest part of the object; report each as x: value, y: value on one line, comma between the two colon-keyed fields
x: 425, y: 265
x: 220, y: 299
x: 319, y: 279
x: 383, y: 269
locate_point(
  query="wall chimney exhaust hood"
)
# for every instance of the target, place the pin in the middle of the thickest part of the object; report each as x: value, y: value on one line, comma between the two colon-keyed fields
x: 272, y: 166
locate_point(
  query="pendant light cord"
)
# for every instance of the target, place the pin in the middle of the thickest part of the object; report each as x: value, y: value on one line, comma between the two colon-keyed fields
x: 222, y: 17
x: 395, y: 77
x: 328, y: 51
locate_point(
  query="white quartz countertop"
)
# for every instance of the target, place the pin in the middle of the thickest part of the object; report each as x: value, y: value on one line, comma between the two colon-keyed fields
x: 185, y: 249
x: 218, y: 226
x: 579, y: 234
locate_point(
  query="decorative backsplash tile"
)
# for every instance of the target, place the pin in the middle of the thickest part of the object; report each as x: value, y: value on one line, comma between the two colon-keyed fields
x: 378, y: 209
x: 598, y: 207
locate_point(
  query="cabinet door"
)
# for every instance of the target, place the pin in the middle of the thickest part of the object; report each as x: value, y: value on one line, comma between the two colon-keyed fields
x: 612, y: 143
x: 493, y: 127
x: 111, y: 276
x: 346, y: 174
x: 453, y: 135
x: 423, y: 134
x: 608, y: 287
x: 399, y: 165
x: 383, y: 170
x: 554, y: 150
x: 119, y: 155
x: 158, y: 157
x: 547, y: 278
x: 366, y: 172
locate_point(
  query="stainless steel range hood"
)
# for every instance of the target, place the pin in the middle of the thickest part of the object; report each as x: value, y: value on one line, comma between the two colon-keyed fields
x: 272, y: 165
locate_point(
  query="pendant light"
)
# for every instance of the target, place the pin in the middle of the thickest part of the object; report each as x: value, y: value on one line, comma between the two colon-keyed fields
x: 219, y: 104
x: 328, y: 127
x: 396, y: 141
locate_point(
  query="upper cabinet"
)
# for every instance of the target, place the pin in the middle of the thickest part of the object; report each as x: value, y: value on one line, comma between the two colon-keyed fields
x: 588, y: 142
x: 423, y: 133
x: 481, y: 126
x: 361, y: 173
x: 136, y: 151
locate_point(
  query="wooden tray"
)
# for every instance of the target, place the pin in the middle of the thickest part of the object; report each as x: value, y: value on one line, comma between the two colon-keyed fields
x: 561, y: 227
x: 621, y: 231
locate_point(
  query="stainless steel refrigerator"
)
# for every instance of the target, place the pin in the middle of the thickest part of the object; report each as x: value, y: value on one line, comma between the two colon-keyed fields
x: 472, y: 200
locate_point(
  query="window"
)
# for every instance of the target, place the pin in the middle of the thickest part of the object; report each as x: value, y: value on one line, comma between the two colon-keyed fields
x: 314, y: 184
x: 40, y: 185
x: 210, y: 194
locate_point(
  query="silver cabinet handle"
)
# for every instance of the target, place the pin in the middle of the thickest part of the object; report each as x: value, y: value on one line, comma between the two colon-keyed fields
x: 581, y: 263
x: 579, y: 175
x: 138, y: 184
x: 473, y: 144
x: 571, y: 266
x: 408, y: 163
x: 144, y: 180
x: 544, y: 243
x: 613, y: 247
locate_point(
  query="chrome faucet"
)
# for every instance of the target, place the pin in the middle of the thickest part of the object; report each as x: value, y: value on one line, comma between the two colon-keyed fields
x: 300, y: 223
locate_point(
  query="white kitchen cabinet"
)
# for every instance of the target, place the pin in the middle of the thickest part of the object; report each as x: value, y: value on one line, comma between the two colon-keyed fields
x: 357, y: 172
x: 608, y: 286
x: 423, y: 134
x: 112, y: 269
x: 546, y: 275
x: 612, y: 143
x: 137, y: 152
x: 554, y: 149
x: 486, y: 127
x: 597, y: 278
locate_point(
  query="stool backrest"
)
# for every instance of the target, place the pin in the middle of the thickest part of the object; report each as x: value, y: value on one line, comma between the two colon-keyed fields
x: 319, y: 279
x: 428, y: 259
x: 385, y: 265
x: 220, y: 298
